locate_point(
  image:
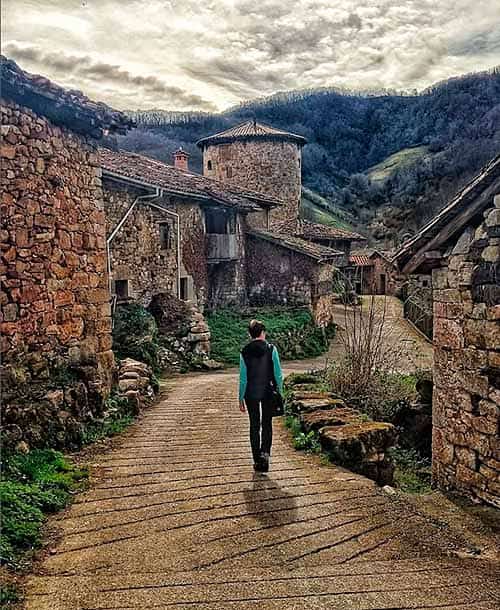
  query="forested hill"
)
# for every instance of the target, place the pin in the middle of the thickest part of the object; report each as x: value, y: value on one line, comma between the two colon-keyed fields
x: 388, y: 160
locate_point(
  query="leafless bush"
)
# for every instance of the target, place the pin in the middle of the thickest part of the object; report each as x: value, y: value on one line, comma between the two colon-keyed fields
x: 368, y: 373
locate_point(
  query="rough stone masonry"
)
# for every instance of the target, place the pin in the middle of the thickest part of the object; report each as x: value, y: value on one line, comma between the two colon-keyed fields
x: 466, y: 401
x: 55, y: 302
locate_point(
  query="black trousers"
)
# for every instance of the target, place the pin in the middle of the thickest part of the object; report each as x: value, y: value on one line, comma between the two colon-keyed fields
x: 261, y: 426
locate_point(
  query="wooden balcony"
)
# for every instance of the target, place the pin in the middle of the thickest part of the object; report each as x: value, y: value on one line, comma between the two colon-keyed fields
x: 222, y: 247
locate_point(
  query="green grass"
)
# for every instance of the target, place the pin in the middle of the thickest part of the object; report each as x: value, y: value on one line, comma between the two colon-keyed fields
x: 9, y: 595
x: 118, y: 419
x: 412, y: 473
x: 292, y: 331
x: 399, y: 160
x: 302, y: 441
x: 32, y: 485
x: 315, y: 208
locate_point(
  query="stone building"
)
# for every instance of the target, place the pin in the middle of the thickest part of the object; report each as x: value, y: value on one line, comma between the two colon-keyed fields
x: 286, y: 270
x: 371, y: 272
x: 172, y: 231
x: 461, y: 247
x: 268, y: 160
x: 55, y: 301
x: 259, y: 158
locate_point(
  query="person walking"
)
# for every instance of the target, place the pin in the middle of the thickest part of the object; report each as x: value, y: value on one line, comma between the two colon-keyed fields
x: 260, y: 373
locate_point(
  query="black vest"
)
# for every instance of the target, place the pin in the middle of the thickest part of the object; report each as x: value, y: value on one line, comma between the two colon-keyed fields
x: 258, y: 359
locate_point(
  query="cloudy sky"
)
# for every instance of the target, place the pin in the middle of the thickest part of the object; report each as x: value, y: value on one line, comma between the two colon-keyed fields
x: 210, y: 54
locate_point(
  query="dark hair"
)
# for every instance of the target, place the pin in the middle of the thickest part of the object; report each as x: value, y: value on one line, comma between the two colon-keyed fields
x: 255, y: 328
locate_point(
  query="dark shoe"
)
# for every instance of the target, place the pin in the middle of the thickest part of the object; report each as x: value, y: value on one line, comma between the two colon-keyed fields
x: 257, y: 465
x: 265, y: 462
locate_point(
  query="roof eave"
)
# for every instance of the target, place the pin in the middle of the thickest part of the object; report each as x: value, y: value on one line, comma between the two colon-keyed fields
x: 204, y: 142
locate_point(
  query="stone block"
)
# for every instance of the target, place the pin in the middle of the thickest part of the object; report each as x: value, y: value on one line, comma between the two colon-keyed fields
x: 7, y: 152
x: 466, y: 456
x: 448, y: 333
x: 314, y: 401
x: 442, y: 450
x: 491, y: 253
x: 440, y: 279
x: 10, y: 312
x: 340, y: 416
x: 493, y: 218
x: 361, y: 447
x: 126, y: 385
x: 449, y: 295
x: 485, y: 425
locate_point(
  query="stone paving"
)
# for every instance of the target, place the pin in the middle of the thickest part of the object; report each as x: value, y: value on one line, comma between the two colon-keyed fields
x: 176, y: 518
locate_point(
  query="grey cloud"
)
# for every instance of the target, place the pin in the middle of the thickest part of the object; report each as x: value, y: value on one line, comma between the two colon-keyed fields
x: 84, y: 66
x: 227, y: 50
x: 487, y: 41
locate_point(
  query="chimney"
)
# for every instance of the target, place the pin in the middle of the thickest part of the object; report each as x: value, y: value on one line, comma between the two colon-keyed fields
x: 181, y: 158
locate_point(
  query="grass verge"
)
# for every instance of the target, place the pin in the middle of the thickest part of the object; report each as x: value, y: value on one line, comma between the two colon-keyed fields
x: 292, y: 330
x: 33, y: 485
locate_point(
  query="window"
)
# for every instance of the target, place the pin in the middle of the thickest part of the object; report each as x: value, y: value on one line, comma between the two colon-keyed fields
x: 184, y: 288
x: 121, y: 289
x: 425, y: 283
x: 165, y: 236
x: 209, y: 165
x: 216, y: 221
x: 229, y: 172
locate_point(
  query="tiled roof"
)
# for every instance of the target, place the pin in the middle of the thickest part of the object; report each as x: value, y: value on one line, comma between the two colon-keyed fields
x: 312, y: 230
x: 250, y: 130
x: 360, y: 260
x: 62, y: 106
x: 177, y: 181
x: 363, y: 258
x: 488, y: 178
x: 316, y: 251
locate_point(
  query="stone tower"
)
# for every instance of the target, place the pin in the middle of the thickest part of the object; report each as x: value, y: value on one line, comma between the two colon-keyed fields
x: 261, y: 159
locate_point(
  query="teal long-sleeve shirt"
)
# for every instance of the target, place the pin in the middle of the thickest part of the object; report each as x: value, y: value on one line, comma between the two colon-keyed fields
x: 278, y: 373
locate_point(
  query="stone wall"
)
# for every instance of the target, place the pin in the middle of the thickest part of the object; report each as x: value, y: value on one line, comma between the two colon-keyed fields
x: 277, y: 275
x: 466, y: 397
x: 54, y: 298
x: 137, y: 252
x: 268, y: 167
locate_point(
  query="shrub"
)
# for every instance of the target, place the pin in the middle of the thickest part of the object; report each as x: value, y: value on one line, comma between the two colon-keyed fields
x: 367, y: 376
x: 292, y: 330
x: 118, y: 416
x: 135, y: 334
x: 32, y: 485
x: 413, y: 472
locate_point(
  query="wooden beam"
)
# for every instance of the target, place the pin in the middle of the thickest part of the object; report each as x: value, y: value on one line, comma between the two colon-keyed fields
x: 452, y: 227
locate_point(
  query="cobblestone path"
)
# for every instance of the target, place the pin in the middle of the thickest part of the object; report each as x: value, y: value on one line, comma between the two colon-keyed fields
x: 177, y: 519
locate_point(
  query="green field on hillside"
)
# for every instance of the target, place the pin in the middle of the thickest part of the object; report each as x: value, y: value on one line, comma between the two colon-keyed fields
x: 315, y: 208
x: 399, y: 160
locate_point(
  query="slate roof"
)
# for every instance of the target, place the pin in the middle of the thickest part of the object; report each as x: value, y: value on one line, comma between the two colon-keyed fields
x: 316, y: 251
x: 176, y: 181
x: 65, y: 107
x: 487, y: 179
x: 250, y: 130
x: 311, y: 230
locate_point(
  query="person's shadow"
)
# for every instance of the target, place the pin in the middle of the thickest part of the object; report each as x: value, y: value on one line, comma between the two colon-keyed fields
x: 269, y: 503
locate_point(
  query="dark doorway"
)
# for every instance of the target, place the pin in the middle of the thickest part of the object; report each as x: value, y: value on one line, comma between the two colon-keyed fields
x: 184, y: 288
x: 382, y: 283
x: 121, y: 289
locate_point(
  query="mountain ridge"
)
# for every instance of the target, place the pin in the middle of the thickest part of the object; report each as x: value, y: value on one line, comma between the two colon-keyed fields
x: 458, y: 121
